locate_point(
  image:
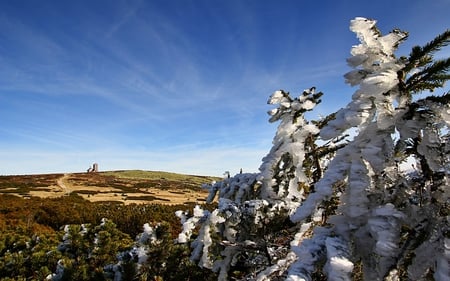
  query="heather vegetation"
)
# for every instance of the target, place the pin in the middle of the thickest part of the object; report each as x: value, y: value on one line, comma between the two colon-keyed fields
x: 69, y: 238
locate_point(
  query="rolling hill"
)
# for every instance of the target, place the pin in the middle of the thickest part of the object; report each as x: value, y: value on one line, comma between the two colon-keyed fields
x: 125, y: 186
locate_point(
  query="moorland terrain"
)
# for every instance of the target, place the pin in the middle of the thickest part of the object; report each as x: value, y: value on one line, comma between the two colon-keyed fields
x: 127, y: 187
x: 41, y: 213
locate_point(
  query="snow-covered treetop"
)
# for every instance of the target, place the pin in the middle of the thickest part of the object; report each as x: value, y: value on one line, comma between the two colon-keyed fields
x: 337, y: 203
x: 375, y: 72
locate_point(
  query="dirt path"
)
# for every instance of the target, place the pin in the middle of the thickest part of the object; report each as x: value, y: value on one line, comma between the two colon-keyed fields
x: 63, y: 184
x: 68, y: 183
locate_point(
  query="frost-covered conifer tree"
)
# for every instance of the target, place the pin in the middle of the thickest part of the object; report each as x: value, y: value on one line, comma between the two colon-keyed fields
x: 347, y: 208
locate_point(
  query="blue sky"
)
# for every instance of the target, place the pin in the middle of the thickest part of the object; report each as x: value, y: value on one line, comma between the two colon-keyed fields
x: 177, y: 85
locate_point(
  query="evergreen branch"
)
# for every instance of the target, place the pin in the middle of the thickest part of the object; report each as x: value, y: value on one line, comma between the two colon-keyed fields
x: 414, y: 107
x: 323, y: 122
x: 444, y: 99
x: 424, y: 86
x: 423, y: 61
x: 417, y: 52
x: 323, y: 151
x: 433, y: 74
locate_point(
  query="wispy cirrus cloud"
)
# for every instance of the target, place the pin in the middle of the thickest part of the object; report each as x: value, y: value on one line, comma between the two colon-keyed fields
x: 171, y: 82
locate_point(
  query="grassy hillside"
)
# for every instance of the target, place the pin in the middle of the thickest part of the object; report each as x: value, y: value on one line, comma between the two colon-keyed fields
x: 159, y: 175
x: 128, y: 186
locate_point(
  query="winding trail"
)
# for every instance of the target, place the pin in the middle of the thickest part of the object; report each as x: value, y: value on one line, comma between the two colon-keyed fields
x: 63, y: 184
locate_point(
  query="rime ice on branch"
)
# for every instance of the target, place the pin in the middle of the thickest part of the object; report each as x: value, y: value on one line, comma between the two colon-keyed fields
x: 322, y: 202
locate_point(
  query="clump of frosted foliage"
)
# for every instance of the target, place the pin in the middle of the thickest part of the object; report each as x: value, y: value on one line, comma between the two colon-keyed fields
x: 139, y: 255
x: 326, y: 205
x: 250, y: 200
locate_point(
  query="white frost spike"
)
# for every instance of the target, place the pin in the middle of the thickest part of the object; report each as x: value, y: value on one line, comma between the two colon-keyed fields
x: 364, y: 30
x: 222, y: 266
x: 377, y: 75
x: 277, y: 97
x: 148, y: 235
x: 280, y: 266
x: 198, y: 211
x: 308, y: 105
x: 290, y: 140
x: 189, y: 224
x: 340, y: 268
x: 141, y: 254
x: 308, y: 252
x: 384, y: 226
x: 377, y: 84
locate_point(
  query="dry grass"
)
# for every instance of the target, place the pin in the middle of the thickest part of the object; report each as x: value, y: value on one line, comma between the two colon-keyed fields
x: 133, y: 186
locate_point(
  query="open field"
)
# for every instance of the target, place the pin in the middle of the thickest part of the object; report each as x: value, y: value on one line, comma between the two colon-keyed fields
x: 129, y: 186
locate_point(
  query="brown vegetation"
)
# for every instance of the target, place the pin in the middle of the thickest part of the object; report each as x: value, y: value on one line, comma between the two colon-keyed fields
x: 141, y: 187
x: 36, y: 211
